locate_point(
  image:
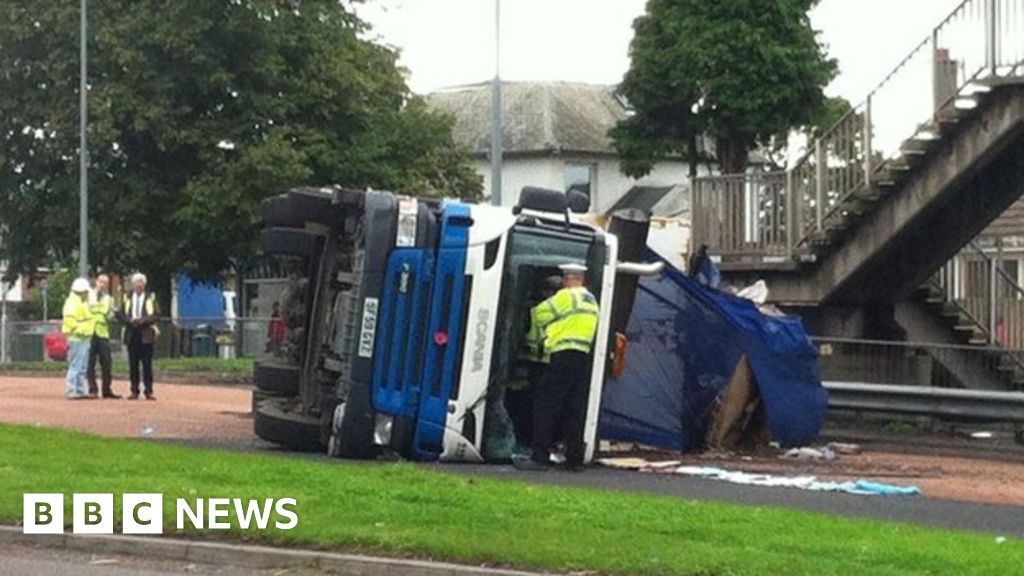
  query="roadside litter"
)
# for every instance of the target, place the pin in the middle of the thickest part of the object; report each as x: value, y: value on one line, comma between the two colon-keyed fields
x: 860, y: 487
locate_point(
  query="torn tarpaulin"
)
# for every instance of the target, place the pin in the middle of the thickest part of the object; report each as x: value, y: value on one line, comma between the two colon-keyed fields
x: 685, y: 342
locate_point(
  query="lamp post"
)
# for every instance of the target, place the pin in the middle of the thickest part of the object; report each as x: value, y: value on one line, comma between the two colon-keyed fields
x: 496, y: 128
x: 83, y: 154
x: 3, y: 322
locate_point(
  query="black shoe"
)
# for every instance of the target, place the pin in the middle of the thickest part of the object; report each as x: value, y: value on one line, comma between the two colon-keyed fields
x: 93, y: 394
x: 150, y: 397
x: 134, y: 396
x: 112, y: 396
x: 529, y: 464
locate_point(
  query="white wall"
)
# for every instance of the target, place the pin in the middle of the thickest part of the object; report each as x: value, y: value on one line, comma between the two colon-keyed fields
x: 545, y: 172
x: 15, y: 291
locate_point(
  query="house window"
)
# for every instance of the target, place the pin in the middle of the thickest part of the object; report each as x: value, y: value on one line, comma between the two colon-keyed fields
x: 581, y: 177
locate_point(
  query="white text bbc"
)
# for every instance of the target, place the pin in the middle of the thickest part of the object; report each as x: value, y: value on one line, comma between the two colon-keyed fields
x: 143, y: 513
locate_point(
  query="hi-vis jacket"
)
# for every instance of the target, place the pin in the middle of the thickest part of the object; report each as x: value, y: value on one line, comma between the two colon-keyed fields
x: 540, y: 316
x: 148, y: 318
x: 102, y: 307
x: 78, y: 320
x: 573, y: 321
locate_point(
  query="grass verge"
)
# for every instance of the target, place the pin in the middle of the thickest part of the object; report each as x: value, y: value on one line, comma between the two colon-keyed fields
x: 163, y: 365
x: 405, y: 510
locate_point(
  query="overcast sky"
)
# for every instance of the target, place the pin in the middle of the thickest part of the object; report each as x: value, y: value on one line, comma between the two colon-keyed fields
x: 451, y: 42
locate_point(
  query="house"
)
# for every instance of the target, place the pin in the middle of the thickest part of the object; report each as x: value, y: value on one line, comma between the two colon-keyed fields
x: 556, y: 136
x: 12, y: 291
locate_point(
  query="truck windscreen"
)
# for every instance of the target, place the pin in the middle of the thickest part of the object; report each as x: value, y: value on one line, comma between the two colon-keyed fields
x: 532, y: 257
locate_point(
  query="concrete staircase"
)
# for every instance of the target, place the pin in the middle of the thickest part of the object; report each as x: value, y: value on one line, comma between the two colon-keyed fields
x: 881, y: 241
x: 849, y: 234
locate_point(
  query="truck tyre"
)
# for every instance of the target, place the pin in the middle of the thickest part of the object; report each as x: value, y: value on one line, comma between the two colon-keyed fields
x: 257, y: 397
x: 276, y: 212
x: 293, y: 431
x: 289, y: 242
x: 316, y: 205
x: 352, y: 431
x: 276, y: 378
x: 301, y: 206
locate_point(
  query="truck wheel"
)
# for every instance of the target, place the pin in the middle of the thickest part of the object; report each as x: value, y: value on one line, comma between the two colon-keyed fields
x: 299, y: 206
x: 294, y: 431
x: 277, y: 379
x: 289, y: 242
x: 276, y: 211
x: 352, y: 428
x: 316, y: 205
x: 257, y: 397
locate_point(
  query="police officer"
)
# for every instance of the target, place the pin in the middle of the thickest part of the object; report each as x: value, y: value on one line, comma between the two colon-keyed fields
x: 103, y: 311
x: 560, y: 397
x: 534, y: 361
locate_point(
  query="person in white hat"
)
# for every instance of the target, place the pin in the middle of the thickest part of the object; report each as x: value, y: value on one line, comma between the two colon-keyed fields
x: 77, y: 325
x: 561, y: 395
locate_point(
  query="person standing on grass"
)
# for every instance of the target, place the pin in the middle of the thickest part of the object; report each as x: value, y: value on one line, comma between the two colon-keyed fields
x: 102, y: 308
x: 77, y: 326
x: 139, y: 315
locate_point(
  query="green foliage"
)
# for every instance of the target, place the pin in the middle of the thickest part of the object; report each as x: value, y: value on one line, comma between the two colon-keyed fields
x: 738, y: 71
x: 405, y: 510
x: 58, y: 286
x: 198, y: 110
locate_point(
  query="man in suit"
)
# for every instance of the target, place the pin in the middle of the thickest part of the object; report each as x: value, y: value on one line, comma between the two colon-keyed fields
x: 139, y: 315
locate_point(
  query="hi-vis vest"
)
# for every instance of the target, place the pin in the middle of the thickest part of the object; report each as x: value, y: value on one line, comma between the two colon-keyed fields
x: 78, y: 322
x: 101, y: 306
x: 540, y: 316
x: 573, y: 323
x: 148, y: 309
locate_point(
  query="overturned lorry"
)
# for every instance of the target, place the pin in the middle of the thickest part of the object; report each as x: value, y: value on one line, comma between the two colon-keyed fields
x: 405, y: 316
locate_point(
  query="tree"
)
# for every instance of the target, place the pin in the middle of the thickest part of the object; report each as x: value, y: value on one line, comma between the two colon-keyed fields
x: 199, y: 109
x: 737, y: 71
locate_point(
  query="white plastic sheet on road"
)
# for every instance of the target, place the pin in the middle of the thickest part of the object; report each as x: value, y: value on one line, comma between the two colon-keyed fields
x: 862, y: 487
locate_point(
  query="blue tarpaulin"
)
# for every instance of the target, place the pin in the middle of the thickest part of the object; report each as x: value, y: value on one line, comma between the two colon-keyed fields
x: 685, y: 341
x: 199, y: 303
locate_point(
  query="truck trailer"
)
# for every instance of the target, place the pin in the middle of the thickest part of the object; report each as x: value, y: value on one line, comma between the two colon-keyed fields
x: 407, y: 317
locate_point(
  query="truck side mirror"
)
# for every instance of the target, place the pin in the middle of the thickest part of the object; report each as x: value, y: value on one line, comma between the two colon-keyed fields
x: 578, y: 201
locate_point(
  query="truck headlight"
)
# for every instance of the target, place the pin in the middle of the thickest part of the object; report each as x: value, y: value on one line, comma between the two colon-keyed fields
x: 408, y: 210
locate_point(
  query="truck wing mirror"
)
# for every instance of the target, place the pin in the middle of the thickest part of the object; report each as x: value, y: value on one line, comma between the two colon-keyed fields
x: 639, y: 268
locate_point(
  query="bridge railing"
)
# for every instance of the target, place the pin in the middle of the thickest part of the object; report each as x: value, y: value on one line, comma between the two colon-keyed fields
x: 980, y: 41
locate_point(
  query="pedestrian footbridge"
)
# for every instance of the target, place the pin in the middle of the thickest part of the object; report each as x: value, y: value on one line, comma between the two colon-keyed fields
x: 855, y: 233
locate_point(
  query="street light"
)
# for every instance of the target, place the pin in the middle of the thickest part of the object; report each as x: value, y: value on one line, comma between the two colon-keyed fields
x: 83, y: 155
x: 496, y: 129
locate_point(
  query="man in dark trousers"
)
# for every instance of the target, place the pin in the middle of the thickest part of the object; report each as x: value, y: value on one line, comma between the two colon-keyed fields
x: 138, y: 313
x: 561, y: 395
x: 103, y: 309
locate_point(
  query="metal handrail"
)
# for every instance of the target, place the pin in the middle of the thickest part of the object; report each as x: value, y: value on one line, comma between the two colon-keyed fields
x: 985, y: 39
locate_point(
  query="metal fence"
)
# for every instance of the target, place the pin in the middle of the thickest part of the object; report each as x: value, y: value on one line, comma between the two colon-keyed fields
x: 985, y: 294
x: 38, y: 341
x: 919, y: 364
x: 777, y: 213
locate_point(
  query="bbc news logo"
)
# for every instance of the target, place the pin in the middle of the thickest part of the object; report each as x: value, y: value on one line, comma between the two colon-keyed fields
x: 143, y: 513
